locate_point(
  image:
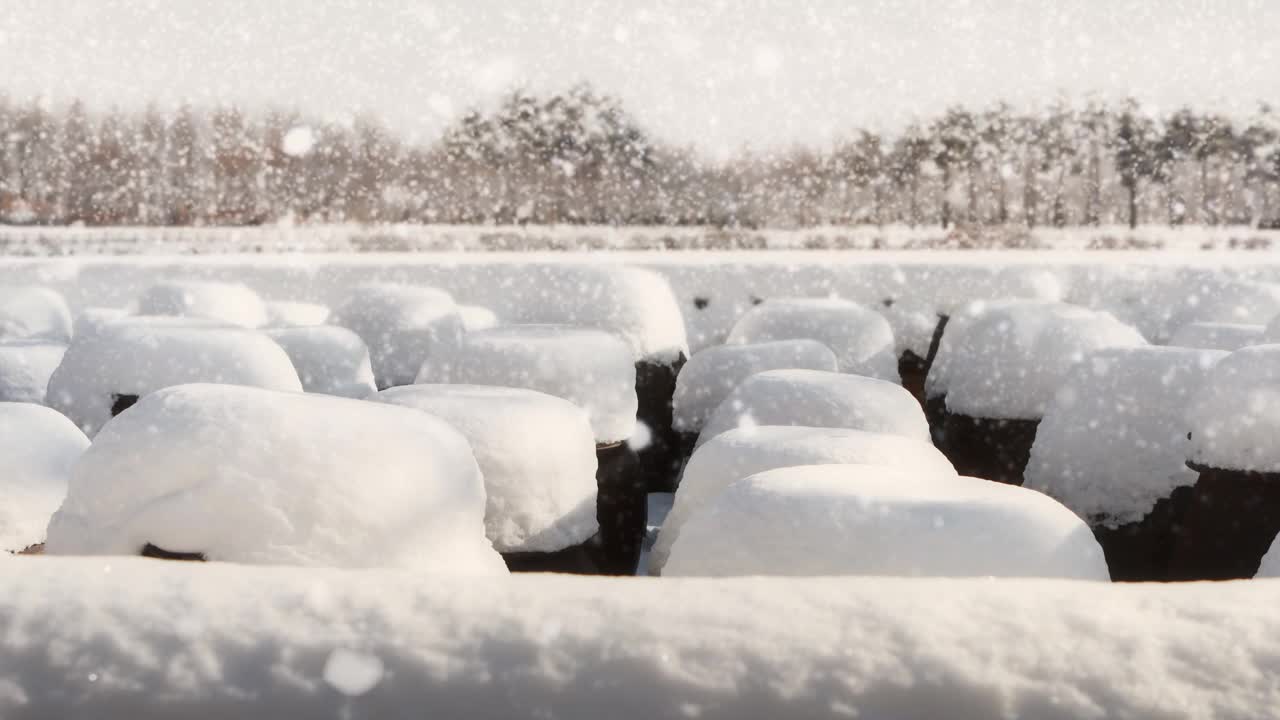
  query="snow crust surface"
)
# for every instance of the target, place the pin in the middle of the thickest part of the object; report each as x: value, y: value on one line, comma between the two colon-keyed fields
x: 39, y: 446
x: 1114, y: 440
x: 711, y: 374
x: 883, y: 520
x: 231, y: 303
x: 814, y: 398
x: 1234, y: 419
x: 400, y: 324
x: 590, y: 368
x: 261, y: 477
x: 1008, y: 362
x: 135, y: 359
x: 736, y: 454
x: 861, y: 339
x: 537, y: 455
x: 329, y: 359
x: 250, y: 642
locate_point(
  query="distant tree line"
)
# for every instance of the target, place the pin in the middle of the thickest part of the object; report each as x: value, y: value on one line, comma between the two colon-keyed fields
x: 581, y: 157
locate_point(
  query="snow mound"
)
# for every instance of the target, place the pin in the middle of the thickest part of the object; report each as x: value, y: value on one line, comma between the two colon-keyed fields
x: 137, y: 639
x: 879, y: 520
x: 1028, y: 283
x: 34, y: 312
x: 814, y: 398
x: 711, y: 374
x: 475, y: 317
x: 1008, y: 362
x: 1235, y: 417
x: 93, y: 320
x: 330, y: 360
x: 135, y: 359
x: 590, y: 368
x: 861, y: 339
x: 400, y: 324
x: 736, y: 454
x: 956, y: 341
x: 1221, y: 336
x: 288, y: 313
x: 537, y: 455
x: 1214, y: 298
x: 231, y: 303
x: 635, y: 304
x: 38, y: 446
x: 25, y: 367
x: 913, y: 323
x: 1113, y: 441
x: 260, y: 477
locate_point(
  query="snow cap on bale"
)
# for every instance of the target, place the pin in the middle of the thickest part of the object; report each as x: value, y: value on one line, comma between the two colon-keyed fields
x: 711, y: 374
x: 635, y: 304
x: 739, y: 453
x: 1234, y: 419
x: 231, y: 303
x: 253, y: 476
x: 1222, y: 336
x: 590, y: 368
x: 537, y: 455
x: 330, y: 360
x: 819, y: 399
x: 1113, y: 441
x: 913, y: 323
x: 1008, y: 363
x: 289, y: 313
x: 1214, y: 298
x: 25, y: 367
x: 475, y: 317
x: 38, y: 446
x: 94, y: 320
x: 877, y: 520
x: 135, y: 359
x: 400, y: 324
x: 861, y: 339
x: 1027, y: 283
x: 34, y: 312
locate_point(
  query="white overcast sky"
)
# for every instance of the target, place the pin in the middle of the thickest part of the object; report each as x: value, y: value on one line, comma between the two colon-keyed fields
x: 714, y: 74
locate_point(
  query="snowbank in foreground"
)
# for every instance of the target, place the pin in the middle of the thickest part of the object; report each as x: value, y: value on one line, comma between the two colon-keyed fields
x: 262, y: 477
x: 137, y: 639
x: 883, y: 520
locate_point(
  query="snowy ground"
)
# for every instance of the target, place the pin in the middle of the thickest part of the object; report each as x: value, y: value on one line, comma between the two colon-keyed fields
x: 52, y: 241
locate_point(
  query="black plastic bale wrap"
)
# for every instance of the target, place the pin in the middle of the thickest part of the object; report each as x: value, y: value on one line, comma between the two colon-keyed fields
x: 661, y: 459
x: 1139, y: 551
x: 1223, y: 524
x: 989, y: 448
x: 621, y: 510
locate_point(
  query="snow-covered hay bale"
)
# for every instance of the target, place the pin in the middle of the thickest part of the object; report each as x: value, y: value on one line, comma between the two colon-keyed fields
x: 814, y: 398
x: 329, y: 359
x: 711, y: 374
x: 590, y: 368
x: 37, y: 449
x: 1230, y: 516
x: 879, y: 520
x: 253, y: 476
x: 401, y: 324
x: 861, y: 339
x: 1216, y: 298
x: 34, y: 312
x: 231, y: 303
x: 537, y: 455
x: 1002, y: 372
x: 290, y: 313
x: 264, y: 643
x: 736, y: 454
x: 103, y: 373
x: 1112, y: 447
x: 1220, y: 336
x: 25, y: 367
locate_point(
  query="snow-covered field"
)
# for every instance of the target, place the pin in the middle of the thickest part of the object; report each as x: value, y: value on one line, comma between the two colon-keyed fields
x: 357, y: 548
